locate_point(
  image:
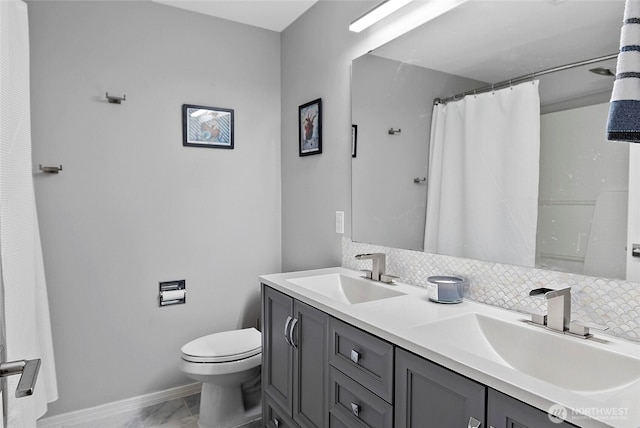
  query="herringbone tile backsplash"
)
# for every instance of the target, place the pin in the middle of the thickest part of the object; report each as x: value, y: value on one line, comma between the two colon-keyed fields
x: 613, y: 303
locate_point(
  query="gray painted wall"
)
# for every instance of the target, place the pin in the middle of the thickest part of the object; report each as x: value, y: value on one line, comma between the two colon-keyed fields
x: 317, y: 51
x: 133, y: 207
x: 316, y: 64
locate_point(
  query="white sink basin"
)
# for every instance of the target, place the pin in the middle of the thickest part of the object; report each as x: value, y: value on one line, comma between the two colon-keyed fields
x: 571, y: 363
x: 346, y: 289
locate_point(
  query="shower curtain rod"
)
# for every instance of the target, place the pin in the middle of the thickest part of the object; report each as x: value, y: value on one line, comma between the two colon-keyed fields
x: 524, y: 78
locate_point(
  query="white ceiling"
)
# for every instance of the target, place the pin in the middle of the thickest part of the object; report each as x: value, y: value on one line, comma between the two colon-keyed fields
x: 492, y: 41
x: 489, y: 41
x: 275, y: 15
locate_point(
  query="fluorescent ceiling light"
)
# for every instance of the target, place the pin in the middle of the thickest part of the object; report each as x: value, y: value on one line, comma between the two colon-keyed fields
x: 382, y: 10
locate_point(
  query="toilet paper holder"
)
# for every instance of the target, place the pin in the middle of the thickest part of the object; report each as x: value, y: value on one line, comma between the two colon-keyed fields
x: 173, y: 292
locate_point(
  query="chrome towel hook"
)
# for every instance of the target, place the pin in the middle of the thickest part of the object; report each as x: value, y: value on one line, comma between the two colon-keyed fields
x: 50, y: 169
x: 115, y: 100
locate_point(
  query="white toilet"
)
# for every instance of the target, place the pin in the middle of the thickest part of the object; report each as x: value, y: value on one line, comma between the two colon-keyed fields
x: 223, y: 362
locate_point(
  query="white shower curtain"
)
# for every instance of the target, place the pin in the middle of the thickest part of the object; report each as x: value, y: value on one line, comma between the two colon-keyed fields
x: 26, y: 319
x: 484, y: 156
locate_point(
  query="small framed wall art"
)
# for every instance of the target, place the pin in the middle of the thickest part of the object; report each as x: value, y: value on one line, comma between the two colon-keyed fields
x: 207, y: 127
x: 310, y: 128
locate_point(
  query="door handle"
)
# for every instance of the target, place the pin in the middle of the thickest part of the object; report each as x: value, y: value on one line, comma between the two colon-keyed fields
x: 293, y: 326
x: 28, y: 371
x: 287, y: 331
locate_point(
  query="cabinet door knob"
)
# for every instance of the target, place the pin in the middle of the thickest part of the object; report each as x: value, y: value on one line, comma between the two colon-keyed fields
x: 474, y: 423
x: 276, y: 422
x: 355, y: 409
x: 355, y: 356
x: 287, y: 331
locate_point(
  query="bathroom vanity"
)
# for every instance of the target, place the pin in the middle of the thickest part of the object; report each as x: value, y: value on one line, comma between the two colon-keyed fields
x: 341, y: 351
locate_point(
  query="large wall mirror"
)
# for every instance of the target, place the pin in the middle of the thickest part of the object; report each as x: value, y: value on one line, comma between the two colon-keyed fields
x: 581, y: 180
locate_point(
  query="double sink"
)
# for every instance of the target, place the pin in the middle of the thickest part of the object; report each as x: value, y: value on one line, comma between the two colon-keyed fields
x: 491, y: 337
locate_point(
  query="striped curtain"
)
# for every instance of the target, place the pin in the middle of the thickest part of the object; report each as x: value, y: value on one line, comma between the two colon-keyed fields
x: 624, y: 110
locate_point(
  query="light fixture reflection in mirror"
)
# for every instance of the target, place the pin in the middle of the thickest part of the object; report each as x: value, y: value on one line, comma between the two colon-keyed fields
x: 583, y: 178
x: 384, y: 9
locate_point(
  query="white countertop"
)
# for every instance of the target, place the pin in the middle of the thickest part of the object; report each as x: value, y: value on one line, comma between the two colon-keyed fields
x: 392, y: 319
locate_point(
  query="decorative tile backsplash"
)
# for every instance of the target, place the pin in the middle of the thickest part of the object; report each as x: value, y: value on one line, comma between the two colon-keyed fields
x: 612, y: 303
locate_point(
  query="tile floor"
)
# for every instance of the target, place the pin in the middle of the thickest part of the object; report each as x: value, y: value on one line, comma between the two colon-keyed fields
x: 178, y: 413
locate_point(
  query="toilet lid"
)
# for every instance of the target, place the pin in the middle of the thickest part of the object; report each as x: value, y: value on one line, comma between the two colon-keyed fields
x: 224, y: 347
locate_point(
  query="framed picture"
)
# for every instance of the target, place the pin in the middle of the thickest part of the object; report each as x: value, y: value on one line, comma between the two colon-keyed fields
x: 310, y: 128
x: 207, y: 127
x: 354, y: 140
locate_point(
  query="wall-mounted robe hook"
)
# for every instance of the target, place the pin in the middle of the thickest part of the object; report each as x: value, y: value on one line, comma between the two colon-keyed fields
x: 394, y: 131
x: 115, y: 100
x: 50, y: 169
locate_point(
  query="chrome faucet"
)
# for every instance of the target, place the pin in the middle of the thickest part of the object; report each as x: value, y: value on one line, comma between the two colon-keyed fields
x: 558, y: 307
x: 378, y: 267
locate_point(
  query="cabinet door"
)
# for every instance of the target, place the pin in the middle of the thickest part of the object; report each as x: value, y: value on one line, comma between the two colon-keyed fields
x: 310, y: 336
x: 428, y: 395
x: 277, y: 355
x: 507, y: 412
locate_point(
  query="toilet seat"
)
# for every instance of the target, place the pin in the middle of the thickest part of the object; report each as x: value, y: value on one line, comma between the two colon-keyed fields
x: 224, y: 347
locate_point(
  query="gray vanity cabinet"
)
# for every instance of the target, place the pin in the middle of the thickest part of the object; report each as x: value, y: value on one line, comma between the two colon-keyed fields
x: 428, y: 395
x: 320, y: 372
x: 294, y: 360
x: 507, y: 412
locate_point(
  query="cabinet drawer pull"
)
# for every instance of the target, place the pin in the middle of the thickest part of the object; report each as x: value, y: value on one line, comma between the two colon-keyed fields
x: 355, y: 409
x: 474, y: 423
x: 355, y: 356
x: 287, y: 331
x: 293, y: 326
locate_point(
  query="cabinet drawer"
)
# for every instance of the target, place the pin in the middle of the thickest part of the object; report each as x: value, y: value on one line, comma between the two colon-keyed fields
x: 337, y: 421
x: 507, y: 412
x: 363, y: 357
x: 352, y: 405
x: 273, y: 416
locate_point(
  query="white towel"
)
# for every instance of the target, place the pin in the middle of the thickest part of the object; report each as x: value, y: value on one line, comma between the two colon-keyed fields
x: 24, y: 296
x: 624, y: 110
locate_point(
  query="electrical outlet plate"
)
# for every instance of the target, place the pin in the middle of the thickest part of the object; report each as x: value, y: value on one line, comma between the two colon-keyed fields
x: 339, y: 221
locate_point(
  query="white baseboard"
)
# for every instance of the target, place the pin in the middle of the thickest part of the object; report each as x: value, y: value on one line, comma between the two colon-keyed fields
x: 117, y: 407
